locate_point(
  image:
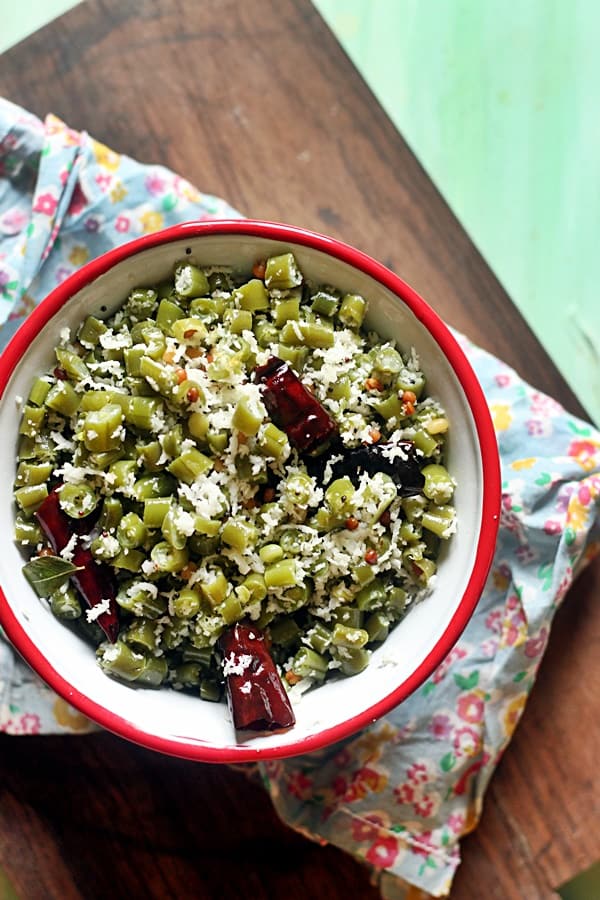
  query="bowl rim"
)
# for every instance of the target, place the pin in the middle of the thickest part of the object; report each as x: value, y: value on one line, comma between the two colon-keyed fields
x: 491, y: 482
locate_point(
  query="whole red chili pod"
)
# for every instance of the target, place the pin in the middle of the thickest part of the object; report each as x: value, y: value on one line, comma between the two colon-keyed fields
x: 94, y: 581
x: 294, y: 408
x: 257, y: 698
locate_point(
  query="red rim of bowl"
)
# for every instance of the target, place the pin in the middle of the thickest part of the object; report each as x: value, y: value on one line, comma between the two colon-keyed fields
x: 489, y: 461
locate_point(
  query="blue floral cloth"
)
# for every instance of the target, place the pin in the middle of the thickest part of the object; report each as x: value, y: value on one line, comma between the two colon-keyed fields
x: 399, y: 795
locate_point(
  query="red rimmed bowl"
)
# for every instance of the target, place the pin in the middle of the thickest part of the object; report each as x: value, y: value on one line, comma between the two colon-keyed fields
x: 181, y: 724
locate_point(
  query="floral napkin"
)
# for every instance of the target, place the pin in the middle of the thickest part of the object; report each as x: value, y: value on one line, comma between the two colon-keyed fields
x: 400, y: 794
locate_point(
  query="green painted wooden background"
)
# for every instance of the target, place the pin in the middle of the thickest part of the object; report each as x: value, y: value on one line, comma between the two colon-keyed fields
x: 499, y: 101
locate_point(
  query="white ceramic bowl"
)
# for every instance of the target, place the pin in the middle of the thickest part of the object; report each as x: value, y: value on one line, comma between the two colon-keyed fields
x: 182, y: 724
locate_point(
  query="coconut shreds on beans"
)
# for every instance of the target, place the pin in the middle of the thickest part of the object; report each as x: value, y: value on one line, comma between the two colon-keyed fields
x: 205, y: 511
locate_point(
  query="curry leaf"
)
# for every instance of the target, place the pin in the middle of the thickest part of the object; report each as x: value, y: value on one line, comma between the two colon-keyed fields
x: 47, y: 573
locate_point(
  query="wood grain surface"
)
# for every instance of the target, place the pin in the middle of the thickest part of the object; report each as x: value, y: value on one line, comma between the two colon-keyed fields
x: 255, y: 101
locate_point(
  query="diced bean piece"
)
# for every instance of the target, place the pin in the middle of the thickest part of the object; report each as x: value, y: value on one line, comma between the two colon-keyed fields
x: 190, y: 465
x: 150, y: 456
x: 198, y: 425
x: 308, y: 664
x: 248, y: 416
x: 190, y: 281
x: 210, y: 690
x: 27, y: 532
x: 270, y: 553
x: 238, y: 320
x: 62, y: 399
x: 131, y: 531
x: 352, y: 310
x: 231, y: 609
x: 33, y: 473
x: 387, y: 361
x: 214, y: 588
x: 141, y: 635
x: 341, y: 389
x: 217, y: 441
x: 353, y: 659
x: 282, y: 272
x: 409, y: 380
x: 141, y: 303
x: 65, y: 604
x: 363, y: 574
x: 286, y: 310
x: 187, y: 675
x: 30, y: 497
x: 239, y: 533
x: 319, y: 637
x: 72, y: 364
x: 154, y: 672
x: 90, y: 331
x: 324, y: 304
x: 186, y: 604
x: 138, y: 598
x: 425, y: 442
x: 377, y: 627
x: 77, y: 500
x: 155, y: 510
x: 175, y: 528
x: 160, y: 377
x: 345, y: 636
x: 172, y: 441
x: 309, y: 334
x: 390, y: 408
x: 32, y: 421
x: 39, y: 392
x: 395, y: 603
x: 102, y: 429
x: 110, y: 516
x: 190, y: 330
x: 439, y: 486
x: 255, y: 585
x: 440, y: 520
x: 144, y: 413
x: 251, y: 296
x: 266, y: 333
x: 209, y: 309
x: 350, y: 616
x: 120, y: 660
x: 372, y: 596
x: 339, y: 496
x: 96, y: 400
x: 129, y: 560
x: 169, y: 559
x: 281, y: 574
x: 123, y: 474
x: 295, y: 356
x: 272, y: 441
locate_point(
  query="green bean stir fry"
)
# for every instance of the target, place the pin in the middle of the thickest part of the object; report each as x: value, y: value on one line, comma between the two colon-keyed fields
x: 155, y: 434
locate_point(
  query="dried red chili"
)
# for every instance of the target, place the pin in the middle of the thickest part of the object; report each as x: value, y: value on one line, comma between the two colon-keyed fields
x: 257, y: 698
x: 94, y: 581
x: 293, y: 408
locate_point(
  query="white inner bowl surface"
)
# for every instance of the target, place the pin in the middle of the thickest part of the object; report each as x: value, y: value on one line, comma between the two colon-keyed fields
x: 183, y: 718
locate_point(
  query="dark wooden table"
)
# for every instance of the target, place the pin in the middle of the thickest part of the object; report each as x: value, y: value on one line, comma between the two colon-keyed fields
x: 257, y: 102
